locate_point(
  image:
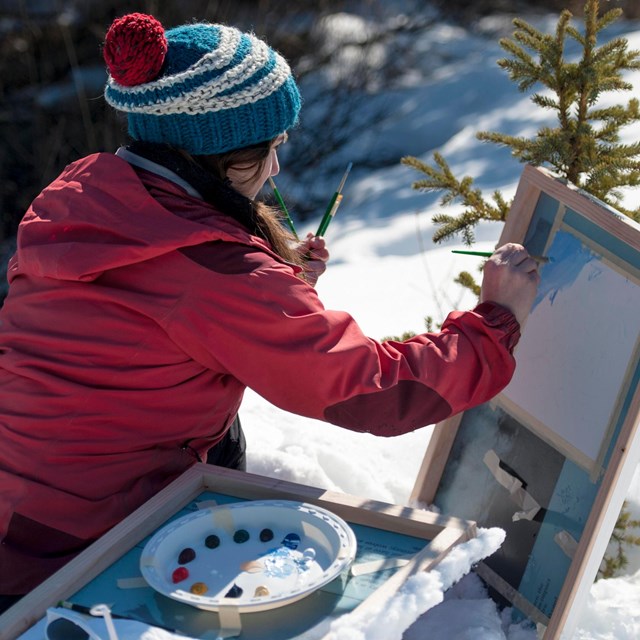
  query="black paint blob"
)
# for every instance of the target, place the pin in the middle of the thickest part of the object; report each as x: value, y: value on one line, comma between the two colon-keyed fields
x: 212, y: 541
x: 240, y: 536
x: 266, y: 535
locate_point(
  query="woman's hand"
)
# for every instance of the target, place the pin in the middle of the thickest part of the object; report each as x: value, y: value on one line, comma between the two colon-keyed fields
x: 316, y: 253
x: 511, y: 278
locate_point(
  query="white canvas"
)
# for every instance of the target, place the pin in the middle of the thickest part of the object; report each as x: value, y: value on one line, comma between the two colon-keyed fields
x: 576, y: 345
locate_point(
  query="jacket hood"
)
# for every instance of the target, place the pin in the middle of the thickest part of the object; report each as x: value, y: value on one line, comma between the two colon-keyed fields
x: 99, y: 214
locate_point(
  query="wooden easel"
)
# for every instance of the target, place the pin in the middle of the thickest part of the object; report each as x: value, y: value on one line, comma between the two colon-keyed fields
x: 522, y: 460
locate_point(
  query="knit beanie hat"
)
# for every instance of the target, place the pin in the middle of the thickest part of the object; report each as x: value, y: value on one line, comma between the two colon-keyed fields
x: 205, y: 88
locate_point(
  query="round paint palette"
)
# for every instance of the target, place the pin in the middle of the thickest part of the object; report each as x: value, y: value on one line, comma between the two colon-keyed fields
x: 254, y: 555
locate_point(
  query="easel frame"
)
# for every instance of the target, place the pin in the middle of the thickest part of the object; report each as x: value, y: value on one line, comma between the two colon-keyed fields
x: 623, y: 448
x: 442, y: 533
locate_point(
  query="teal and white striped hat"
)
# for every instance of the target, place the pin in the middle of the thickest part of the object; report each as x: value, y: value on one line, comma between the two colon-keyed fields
x: 205, y: 88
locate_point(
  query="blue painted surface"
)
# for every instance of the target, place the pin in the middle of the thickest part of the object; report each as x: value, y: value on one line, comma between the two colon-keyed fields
x: 541, y: 224
x: 568, y: 510
x: 568, y: 257
x: 623, y: 250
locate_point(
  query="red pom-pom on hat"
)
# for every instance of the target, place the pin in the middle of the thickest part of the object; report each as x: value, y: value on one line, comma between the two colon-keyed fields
x: 134, y: 49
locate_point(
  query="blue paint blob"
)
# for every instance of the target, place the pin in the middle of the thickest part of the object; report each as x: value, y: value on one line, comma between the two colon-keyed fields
x: 568, y: 257
x: 291, y: 540
x: 234, y: 592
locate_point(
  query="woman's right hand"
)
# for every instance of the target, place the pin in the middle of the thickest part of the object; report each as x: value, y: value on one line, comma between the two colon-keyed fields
x: 511, y: 279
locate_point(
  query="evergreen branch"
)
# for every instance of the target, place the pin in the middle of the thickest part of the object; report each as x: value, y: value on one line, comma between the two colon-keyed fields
x: 450, y: 226
x: 576, y: 35
x: 620, y: 538
x: 613, y: 51
x: 467, y: 281
x: 524, y: 27
x: 406, y: 335
x: 550, y: 147
x: 502, y: 206
x: 608, y: 18
x: 609, y: 167
x: 521, y: 69
x: 517, y: 143
x: 476, y: 208
x: 607, y: 134
x: 546, y: 102
x: 608, y: 83
x: 634, y: 215
x: 529, y: 36
x: 625, y: 151
x: 617, y: 115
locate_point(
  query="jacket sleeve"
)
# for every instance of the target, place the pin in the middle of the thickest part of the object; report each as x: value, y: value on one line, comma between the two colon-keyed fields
x: 260, y: 323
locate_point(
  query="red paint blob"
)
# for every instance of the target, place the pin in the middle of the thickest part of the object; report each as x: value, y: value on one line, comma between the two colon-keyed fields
x: 180, y: 574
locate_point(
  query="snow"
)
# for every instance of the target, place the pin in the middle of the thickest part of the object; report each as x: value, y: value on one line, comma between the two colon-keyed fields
x: 420, y: 593
x: 386, y: 271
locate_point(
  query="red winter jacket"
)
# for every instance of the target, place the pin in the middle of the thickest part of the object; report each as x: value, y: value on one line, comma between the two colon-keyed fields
x: 137, y: 315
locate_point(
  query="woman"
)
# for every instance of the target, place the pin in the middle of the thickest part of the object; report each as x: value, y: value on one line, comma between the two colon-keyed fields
x: 150, y: 288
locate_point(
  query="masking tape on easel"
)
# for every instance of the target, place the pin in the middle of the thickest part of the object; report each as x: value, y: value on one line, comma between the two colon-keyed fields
x: 566, y: 542
x: 529, y: 507
x: 206, y: 504
x: 372, y: 566
x: 223, y: 519
x: 505, y: 589
x: 230, y: 625
x: 132, y: 583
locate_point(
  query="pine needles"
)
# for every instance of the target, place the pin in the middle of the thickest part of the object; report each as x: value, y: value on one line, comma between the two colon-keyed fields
x: 584, y: 147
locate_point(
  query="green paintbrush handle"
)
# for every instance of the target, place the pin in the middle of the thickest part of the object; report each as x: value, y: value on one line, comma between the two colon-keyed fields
x: 326, y: 218
x: 283, y: 206
x: 488, y: 254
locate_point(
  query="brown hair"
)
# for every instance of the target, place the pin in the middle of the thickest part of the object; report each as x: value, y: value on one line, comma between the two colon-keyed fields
x: 267, y: 221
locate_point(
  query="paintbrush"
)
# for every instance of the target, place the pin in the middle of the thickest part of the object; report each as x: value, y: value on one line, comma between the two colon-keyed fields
x: 488, y: 254
x: 88, y: 611
x: 333, y: 205
x: 283, y: 206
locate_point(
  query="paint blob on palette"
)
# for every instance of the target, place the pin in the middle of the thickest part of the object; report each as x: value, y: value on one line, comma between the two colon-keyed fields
x: 256, y: 555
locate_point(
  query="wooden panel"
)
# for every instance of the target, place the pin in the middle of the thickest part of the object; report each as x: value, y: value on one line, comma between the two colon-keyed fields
x: 440, y: 533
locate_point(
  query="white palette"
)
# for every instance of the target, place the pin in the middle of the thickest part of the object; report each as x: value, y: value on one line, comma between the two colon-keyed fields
x: 303, y: 547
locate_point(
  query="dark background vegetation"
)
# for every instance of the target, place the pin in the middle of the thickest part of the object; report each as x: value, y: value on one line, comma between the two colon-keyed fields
x: 52, y: 74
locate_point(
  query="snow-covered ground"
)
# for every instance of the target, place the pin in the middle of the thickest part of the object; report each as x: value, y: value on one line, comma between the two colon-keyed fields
x: 386, y: 271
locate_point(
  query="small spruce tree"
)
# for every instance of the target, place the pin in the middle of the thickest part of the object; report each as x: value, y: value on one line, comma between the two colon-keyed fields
x: 620, y: 540
x: 584, y: 148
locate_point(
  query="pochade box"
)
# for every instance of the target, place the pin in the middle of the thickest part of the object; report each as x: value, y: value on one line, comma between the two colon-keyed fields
x: 220, y: 553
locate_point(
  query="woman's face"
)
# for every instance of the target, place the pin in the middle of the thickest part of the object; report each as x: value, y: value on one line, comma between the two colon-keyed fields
x: 246, y: 180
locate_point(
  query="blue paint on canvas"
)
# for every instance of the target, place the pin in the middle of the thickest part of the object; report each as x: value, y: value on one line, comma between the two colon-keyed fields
x: 568, y: 257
